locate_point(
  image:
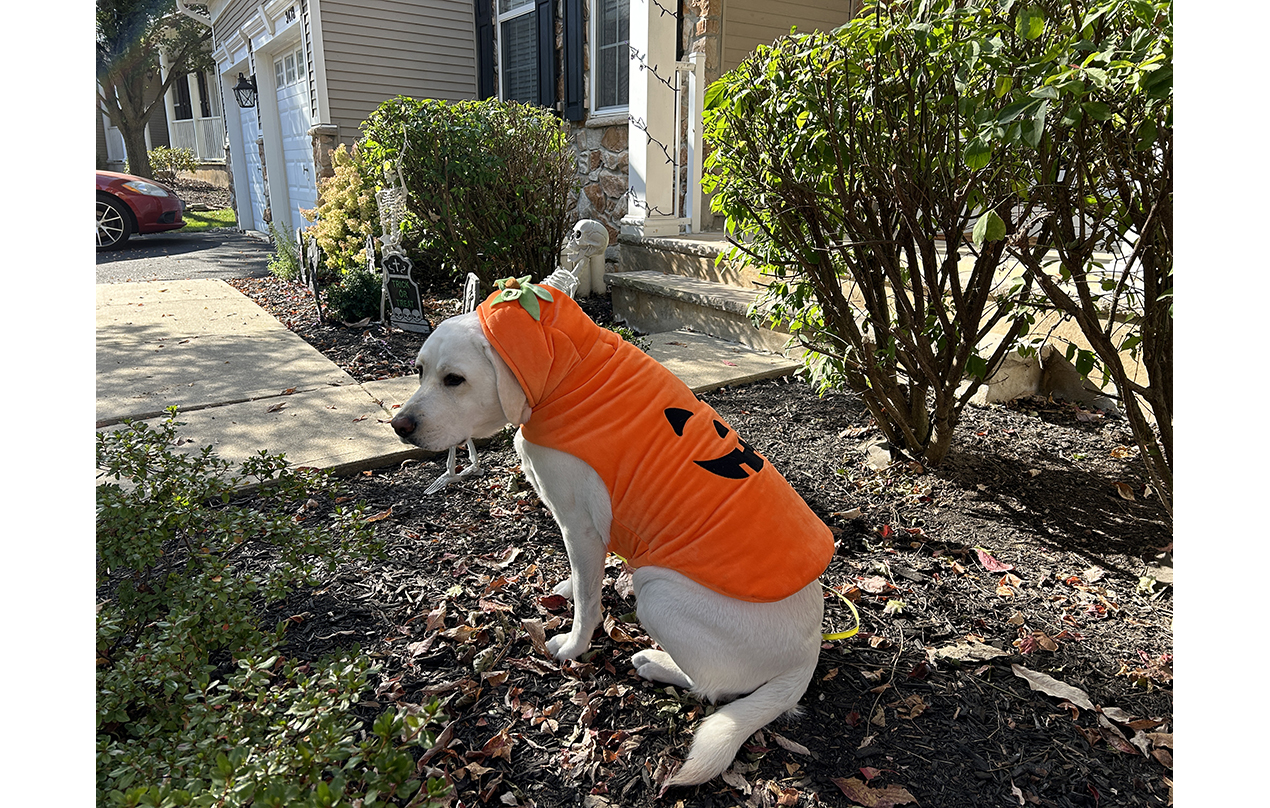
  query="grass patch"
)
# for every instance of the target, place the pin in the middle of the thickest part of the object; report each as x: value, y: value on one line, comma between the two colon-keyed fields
x: 207, y: 219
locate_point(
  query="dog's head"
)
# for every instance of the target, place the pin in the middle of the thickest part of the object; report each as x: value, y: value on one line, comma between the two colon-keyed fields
x: 465, y: 389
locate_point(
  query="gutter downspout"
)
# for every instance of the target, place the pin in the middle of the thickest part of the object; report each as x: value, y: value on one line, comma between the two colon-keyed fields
x: 192, y: 14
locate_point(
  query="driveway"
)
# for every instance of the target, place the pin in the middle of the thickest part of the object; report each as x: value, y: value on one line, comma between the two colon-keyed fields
x: 220, y: 253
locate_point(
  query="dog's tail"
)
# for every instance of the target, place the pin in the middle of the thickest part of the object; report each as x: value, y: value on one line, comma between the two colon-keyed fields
x: 721, y: 734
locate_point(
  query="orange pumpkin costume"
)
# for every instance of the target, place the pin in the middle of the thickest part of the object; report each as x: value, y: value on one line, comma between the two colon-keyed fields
x: 687, y: 493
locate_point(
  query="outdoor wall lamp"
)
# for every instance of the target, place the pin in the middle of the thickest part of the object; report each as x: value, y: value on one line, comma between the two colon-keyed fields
x: 245, y: 91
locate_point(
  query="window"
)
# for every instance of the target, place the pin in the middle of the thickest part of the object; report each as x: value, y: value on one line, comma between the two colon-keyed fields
x: 183, y: 109
x: 289, y: 69
x: 611, y: 71
x: 518, y: 50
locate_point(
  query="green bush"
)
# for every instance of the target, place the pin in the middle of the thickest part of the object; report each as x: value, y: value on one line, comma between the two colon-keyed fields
x: 167, y: 163
x: 195, y: 704
x: 1093, y: 85
x: 848, y: 168
x: 489, y: 181
x: 355, y: 296
x: 346, y: 214
x: 285, y: 261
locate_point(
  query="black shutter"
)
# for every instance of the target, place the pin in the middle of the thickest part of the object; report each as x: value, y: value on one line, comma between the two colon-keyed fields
x: 544, y: 11
x: 485, y: 87
x: 573, y: 102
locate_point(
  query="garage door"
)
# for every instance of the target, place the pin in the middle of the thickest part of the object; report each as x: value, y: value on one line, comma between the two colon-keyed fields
x: 297, y: 145
x: 255, y: 178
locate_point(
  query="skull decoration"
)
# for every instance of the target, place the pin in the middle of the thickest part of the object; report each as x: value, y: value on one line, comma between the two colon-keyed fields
x: 583, y: 255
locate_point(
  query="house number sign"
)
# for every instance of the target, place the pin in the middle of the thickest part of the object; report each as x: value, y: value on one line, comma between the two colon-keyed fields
x: 289, y: 15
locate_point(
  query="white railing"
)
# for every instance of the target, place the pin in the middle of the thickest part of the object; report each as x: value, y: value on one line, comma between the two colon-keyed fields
x: 203, y: 136
x: 688, y: 152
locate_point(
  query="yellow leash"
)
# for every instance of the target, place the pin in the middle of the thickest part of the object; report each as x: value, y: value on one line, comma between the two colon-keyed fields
x: 842, y: 635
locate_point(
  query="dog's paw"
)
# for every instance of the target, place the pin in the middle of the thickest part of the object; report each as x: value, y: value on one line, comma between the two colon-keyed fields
x: 564, y: 588
x: 566, y: 646
x: 657, y: 666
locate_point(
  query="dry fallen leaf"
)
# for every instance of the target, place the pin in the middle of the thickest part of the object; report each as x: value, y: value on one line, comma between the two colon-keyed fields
x: 1053, y: 687
x: 792, y: 746
x: 860, y: 792
x: 991, y: 564
x: 1125, y: 491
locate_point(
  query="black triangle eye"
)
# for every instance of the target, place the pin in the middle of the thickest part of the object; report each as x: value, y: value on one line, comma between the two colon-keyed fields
x: 721, y: 428
x: 678, y: 419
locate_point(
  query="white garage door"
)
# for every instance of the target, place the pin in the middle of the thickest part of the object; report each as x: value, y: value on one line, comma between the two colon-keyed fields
x: 255, y: 178
x: 297, y: 145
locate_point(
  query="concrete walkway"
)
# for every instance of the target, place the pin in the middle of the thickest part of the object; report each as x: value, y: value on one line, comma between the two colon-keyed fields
x: 244, y: 382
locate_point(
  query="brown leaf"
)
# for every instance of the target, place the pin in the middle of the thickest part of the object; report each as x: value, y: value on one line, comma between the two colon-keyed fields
x: 1125, y: 491
x: 792, y: 746
x: 1053, y: 687
x: 537, y: 635
x: 858, y: 791
x: 379, y: 517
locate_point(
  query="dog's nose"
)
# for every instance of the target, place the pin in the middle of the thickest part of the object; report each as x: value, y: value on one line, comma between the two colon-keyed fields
x: 404, y: 425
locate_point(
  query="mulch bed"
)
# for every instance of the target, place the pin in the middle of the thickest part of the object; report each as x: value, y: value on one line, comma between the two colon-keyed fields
x: 1029, y: 551
x: 200, y: 195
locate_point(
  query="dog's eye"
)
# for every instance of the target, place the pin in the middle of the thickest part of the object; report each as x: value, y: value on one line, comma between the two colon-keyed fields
x: 453, y: 380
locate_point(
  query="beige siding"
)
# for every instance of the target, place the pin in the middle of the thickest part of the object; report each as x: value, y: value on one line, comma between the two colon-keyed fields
x: 232, y: 18
x: 749, y: 23
x: 377, y: 49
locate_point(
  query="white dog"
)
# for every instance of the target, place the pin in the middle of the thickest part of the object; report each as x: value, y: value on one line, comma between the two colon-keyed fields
x: 736, y: 613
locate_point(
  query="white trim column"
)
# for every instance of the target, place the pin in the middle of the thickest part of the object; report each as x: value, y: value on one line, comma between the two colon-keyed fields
x: 237, y: 149
x: 651, y: 127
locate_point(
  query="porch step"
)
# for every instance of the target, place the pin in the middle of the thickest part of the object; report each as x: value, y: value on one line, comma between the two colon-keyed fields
x: 693, y: 256
x: 653, y: 302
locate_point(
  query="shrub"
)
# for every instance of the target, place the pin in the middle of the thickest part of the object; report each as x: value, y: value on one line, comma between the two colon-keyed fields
x: 489, y: 181
x: 167, y: 163
x: 1096, y: 79
x: 346, y: 214
x: 847, y: 167
x: 285, y: 262
x: 195, y: 704
x: 355, y: 296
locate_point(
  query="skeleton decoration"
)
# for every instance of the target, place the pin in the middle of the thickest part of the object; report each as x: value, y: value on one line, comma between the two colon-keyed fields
x: 399, y: 290
x: 583, y: 256
x: 471, y: 297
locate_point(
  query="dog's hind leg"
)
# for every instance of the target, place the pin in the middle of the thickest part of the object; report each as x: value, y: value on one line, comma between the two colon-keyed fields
x: 578, y: 500
x: 727, y: 647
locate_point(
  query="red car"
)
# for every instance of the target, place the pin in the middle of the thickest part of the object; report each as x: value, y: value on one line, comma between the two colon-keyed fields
x: 128, y: 204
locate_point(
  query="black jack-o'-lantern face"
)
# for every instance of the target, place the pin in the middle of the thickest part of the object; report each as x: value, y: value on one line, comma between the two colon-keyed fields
x: 731, y: 466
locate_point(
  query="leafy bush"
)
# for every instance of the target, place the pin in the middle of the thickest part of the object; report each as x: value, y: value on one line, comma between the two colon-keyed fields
x: 195, y: 704
x: 355, y: 296
x: 1097, y: 79
x: 346, y: 214
x: 848, y: 168
x: 167, y: 163
x: 285, y: 262
x: 489, y: 181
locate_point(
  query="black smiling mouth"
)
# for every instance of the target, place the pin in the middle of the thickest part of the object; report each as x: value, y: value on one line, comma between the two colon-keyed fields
x: 731, y: 466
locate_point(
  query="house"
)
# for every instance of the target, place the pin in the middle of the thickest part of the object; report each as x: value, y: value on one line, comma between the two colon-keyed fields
x: 618, y: 72
x: 189, y: 117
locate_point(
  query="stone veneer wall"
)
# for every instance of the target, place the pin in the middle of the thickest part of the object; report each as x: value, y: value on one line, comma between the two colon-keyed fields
x: 602, y: 149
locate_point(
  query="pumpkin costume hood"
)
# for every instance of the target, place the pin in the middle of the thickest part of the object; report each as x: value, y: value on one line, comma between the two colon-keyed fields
x: 687, y: 493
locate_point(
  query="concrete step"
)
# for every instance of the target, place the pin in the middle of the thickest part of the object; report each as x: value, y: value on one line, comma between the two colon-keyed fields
x: 692, y: 256
x: 652, y: 302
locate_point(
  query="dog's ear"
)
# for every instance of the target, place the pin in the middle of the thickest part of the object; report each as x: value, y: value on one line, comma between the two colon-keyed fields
x: 510, y: 395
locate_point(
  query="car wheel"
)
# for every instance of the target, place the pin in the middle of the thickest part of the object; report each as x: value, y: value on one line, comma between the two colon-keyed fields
x: 113, y: 224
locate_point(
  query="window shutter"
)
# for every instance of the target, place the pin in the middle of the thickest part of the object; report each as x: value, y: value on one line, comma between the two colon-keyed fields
x: 485, y: 49
x: 573, y: 101
x: 544, y: 11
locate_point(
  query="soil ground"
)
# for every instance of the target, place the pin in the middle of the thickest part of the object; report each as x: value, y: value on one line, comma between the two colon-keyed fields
x: 1033, y: 551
